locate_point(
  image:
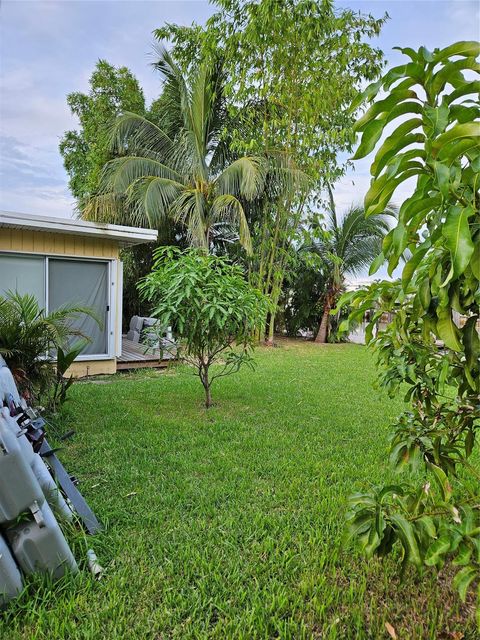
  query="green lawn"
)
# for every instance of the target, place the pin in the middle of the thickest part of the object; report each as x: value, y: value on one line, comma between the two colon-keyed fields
x: 227, y: 523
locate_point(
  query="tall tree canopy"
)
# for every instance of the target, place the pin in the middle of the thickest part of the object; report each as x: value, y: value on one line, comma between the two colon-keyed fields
x: 85, y: 151
x: 292, y: 68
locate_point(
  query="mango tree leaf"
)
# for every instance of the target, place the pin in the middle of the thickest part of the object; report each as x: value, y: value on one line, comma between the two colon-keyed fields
x: 448, y: 72
x: 437, y: 117
x: 475, y: 261
x: 458, y: 240
x: 442, y: 481
x: 466, y: 48
x: 386, y: 156
x: 467, y: 89
x: 464, y: 579
x: 370, y: 137
x: 381, y: 191
x: 383, y: 106
x: 442, y: 176
x: 465, y: 130
x: 405, y: 532
x: 437, y: 550
x: 448, y: 331
x: 471, y: 342
x: 376, y: 264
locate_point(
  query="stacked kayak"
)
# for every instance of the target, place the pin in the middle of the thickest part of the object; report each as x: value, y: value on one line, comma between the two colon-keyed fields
x: 31, y: 503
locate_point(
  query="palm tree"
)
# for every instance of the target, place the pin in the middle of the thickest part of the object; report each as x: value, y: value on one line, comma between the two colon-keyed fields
x: 180, y: 170
x: 347, y: 247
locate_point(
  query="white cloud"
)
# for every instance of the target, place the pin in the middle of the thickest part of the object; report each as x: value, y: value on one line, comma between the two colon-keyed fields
x: 47, y: 200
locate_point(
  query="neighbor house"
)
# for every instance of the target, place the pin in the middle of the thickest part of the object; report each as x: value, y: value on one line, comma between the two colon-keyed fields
x: 66, y: 261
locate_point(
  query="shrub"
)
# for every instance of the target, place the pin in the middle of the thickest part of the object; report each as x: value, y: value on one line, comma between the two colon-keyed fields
x: 29, y: 338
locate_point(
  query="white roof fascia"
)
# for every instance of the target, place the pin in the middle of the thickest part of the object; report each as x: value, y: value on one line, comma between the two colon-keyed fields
x: 123, y: 235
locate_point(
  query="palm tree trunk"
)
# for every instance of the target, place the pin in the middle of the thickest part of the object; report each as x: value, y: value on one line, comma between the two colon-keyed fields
x: 322, y: 333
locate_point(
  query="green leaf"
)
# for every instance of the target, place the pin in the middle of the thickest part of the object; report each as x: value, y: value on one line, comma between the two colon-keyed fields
x: 426, y: 54
x: 370, y: 137
x: 405, y: 532
x: 368, y: 94
x: 424, y: 293
x: 442, y: 176
x: 475, y: 261
x: 469, y: 442
x: 471, y: 342
x: 463, y: 580
x: 399, y: 239
x: 463, y: 556
x: 465, y: 130
x: 466, y: 48
x: 376, y: 264
x: 437, y: 117
x: 395, y: 142
x: 391, y: 147
x: 448, y: 331
x: 442, y: 481
x: 456, y: 232
x: 382, y: 189
x: 450, y: 73
x: 383, y: 106
x: 437, y: 550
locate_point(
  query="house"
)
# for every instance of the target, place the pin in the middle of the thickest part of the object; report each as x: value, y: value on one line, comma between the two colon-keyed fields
x: 65, y: 261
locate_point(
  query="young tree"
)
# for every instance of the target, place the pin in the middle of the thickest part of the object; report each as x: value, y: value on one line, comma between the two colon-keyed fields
x: 86, y: 150
x: 435, y: 518
x: 292, y: 67
x: 180, y: 171
x: 211, y: 306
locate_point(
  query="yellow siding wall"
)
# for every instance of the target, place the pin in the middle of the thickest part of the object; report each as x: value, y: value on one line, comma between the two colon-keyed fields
x: 56, y: 243
x: 84, y: 368
x: 45, y: 243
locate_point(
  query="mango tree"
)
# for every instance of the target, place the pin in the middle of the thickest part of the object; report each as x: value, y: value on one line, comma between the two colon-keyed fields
x: 431, y: 346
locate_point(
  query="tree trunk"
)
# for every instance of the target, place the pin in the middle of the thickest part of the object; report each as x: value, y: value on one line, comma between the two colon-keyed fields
x: 203, y: 373
x: 322, y: 333
x: 208, y: 396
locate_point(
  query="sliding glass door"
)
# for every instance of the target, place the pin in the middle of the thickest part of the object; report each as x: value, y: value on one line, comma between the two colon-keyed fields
x: 83, y: 283
x: 23, y: 274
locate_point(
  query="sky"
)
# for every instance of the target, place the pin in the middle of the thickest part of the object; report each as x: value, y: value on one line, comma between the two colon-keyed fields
x: 49, y: 49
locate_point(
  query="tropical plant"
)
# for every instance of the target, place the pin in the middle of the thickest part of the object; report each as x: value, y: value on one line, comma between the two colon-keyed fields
x: 435, y: 518
x: 29, y: 338
x: 287, y: 90
x: 181, y: 171
x: 212, y: 308
x: 346, y: 246
x: 57, y: 393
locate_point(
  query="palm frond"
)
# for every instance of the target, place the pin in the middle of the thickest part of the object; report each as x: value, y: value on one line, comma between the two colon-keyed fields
x: 189, y: 209
x: 119, y: 173
x: 106, y: 208
x: 150, y: 199
x: 227, y: 208
x: 131, y: 131
x: 245, y: 177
